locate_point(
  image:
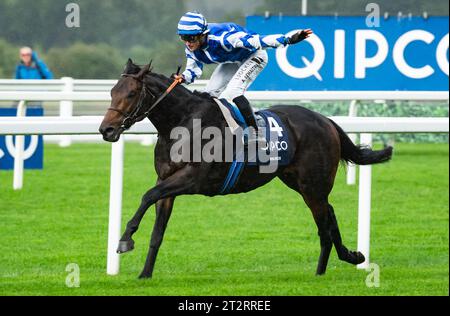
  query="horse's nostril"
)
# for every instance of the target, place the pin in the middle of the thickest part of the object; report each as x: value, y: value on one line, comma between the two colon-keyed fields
x: 108, y: 131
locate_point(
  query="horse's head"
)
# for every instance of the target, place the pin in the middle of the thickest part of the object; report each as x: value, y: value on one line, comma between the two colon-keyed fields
x: 130, y: 99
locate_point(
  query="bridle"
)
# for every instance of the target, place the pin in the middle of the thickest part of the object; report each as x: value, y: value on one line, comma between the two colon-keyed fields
x: 134, y: 116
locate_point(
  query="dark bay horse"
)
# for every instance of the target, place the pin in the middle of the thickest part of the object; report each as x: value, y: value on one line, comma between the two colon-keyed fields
x: 319, y: 145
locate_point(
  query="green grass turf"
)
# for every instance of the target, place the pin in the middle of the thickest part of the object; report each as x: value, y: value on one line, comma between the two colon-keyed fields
x: 261, y: 243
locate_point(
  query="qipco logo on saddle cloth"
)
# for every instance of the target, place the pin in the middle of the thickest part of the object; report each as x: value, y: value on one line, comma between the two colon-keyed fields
x: 347, y: 54
x: 33, y: 149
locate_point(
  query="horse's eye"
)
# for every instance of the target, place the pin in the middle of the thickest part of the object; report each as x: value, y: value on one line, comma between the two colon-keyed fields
x: 132, y: 94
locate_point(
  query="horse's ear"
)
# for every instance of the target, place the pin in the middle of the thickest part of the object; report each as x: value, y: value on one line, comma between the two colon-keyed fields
x: 150, y: 67
x: 129, y: 66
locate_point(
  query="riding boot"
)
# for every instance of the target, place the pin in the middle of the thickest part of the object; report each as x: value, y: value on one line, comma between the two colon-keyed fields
x: 247, y: 112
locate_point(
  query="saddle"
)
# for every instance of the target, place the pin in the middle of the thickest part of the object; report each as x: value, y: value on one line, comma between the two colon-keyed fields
x: 277, y: 151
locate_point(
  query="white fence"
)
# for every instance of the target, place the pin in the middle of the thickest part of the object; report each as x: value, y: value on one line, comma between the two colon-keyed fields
x: 68, y: 90
x: 67, y: 83
x: 75, y: 90
x: 68, y: 125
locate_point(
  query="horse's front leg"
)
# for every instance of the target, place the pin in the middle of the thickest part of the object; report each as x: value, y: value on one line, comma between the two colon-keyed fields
x: 178, y: 183
x: 163, y: 212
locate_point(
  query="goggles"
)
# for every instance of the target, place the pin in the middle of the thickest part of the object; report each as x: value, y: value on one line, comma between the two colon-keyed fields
x: 190, y: 38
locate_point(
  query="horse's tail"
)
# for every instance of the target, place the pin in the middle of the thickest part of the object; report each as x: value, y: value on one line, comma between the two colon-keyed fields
x: 361, y: 155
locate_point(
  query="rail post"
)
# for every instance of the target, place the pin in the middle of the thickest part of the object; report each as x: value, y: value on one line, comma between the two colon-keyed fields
x: 351, y: 170
x: 115, y: 206
x: 66, y: 110
x: 19, y: 151
x: 364, y: 203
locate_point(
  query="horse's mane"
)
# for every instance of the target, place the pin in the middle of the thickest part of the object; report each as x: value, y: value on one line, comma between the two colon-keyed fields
x: 168, y: 81
x: 204, y: 95
x: 132, y: 69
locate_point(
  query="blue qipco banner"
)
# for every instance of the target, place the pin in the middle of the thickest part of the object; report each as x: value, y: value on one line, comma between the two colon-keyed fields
x: 345, y: 53
x: 34, y: 148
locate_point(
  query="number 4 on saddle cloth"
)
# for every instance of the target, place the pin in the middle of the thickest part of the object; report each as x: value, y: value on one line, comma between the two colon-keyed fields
x: 277, y: 151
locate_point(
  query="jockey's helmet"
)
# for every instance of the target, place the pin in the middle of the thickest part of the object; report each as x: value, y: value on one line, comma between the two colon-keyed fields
x: 192, y: 23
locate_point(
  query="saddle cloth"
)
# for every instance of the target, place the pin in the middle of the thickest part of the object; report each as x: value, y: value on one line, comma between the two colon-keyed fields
x: 278, y: 148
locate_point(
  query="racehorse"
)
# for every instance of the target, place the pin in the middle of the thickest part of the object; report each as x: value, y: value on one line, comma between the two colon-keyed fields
x: 318, y: 144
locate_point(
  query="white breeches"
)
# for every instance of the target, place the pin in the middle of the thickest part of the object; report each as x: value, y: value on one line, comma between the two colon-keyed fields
x: 231, y: 80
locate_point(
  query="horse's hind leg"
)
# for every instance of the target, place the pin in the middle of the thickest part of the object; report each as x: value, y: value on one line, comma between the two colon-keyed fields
x: 314, y: 185
x: 329, y: 233
x: 353, y: 257
x: 319, y: 209
x: 318, y: 205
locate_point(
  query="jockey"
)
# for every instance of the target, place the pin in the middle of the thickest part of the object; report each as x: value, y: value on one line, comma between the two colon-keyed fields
x: 239, y: 53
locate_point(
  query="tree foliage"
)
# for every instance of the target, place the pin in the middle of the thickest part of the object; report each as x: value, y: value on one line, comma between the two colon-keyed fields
x: 109, y: 29
x: 115, y: 22
x: 85, y: 61
x: 8, y: 57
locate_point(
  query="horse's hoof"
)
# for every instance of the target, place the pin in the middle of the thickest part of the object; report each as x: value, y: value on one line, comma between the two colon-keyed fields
x: 144, y: 276
x: 125, y: 246
x: 357, y: 257
x: 360, y: 258
x: 320, y: 273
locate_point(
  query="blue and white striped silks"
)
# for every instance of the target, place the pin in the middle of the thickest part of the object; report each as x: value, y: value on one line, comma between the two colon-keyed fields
x: 226, y: 43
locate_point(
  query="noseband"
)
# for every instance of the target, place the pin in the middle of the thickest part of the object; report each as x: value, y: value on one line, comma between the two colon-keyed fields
x: 134, y: 116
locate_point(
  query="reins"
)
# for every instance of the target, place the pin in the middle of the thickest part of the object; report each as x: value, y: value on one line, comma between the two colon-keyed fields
x: 133, y: 116
x: 164, y: 95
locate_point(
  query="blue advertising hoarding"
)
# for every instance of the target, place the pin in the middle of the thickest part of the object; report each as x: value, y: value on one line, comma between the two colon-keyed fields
x: 408, y: 54
x: 34, y: 148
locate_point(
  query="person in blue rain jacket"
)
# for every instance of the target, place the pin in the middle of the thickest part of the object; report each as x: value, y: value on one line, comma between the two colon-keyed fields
x: 31, y: 67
